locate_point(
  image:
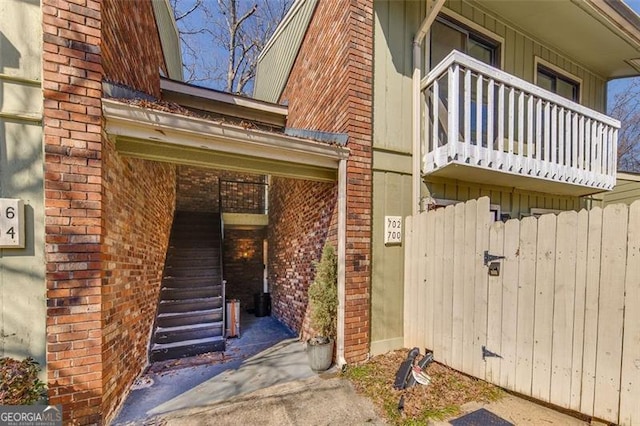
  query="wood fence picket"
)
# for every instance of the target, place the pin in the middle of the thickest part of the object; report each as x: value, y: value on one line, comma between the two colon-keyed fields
x: 562, y: 315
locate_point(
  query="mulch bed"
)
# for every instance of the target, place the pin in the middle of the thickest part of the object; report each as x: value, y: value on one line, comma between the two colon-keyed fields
x: 440, y: 399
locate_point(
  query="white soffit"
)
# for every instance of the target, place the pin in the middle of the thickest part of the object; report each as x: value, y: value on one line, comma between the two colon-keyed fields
x: 589, y: 32
x: 125, y: 121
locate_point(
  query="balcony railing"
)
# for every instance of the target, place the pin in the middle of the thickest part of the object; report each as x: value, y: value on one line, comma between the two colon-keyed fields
x: 243, y: 197
x: 479, y: 116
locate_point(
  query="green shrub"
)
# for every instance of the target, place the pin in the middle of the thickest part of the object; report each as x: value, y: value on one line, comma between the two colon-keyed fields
x: 323, y: 294
x: 19, y: 383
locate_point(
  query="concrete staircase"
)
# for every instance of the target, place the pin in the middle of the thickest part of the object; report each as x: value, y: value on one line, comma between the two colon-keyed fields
x: 190, y: 312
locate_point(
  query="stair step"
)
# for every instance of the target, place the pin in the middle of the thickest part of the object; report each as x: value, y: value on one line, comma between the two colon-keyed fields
x: 209, y: 273
x: 178, y: 293
x: 183, y: 282
x: 175, y: 319
x: 188, y: 332
x: 174, y: 257
x: 187, y: 305
x: 190, y: 311
x: 202, y: 261
x: 164, y: 351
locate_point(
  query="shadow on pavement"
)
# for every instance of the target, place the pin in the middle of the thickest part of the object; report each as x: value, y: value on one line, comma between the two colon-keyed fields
x: 267, y: 353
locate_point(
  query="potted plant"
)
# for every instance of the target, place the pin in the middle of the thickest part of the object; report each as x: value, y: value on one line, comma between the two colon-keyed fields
x: 323, y: 301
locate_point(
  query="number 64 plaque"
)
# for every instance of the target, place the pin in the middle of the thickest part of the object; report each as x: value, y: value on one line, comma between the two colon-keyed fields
x: 11, y: 223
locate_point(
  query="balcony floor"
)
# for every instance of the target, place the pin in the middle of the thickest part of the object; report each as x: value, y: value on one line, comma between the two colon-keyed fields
x: 476, y: 174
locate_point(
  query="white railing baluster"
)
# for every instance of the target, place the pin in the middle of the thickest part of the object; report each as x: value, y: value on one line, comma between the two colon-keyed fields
x: 538, y: 162
x: 587, y: 150
x: 545, y: 135
x: 595, y: 141
x: 490, y: 142
x: 479, y: 128
x: 467, y: 115
x: 436, y: 117
x: 553, y: 110
x: 520, y: 163
x: 581, y: 149
x: 560, y: 144
x: 567, y: 144
x: 614, y: 157
x: 453, y: 112
x: 426, y: 145
x: 575, y: 142
x: 511, y: 117
x: 500, y: 154
x: 530, y: 129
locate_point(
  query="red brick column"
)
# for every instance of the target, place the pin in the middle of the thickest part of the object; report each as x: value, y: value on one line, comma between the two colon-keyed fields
x: 331, y: 89
x: 72, y: 75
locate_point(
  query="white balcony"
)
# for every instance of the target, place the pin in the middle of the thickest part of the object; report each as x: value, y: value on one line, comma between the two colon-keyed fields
x: 491, y: 127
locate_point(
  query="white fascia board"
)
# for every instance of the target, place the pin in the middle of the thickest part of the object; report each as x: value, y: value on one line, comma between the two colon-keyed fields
x: 147, y: 124
x: 228, y: 98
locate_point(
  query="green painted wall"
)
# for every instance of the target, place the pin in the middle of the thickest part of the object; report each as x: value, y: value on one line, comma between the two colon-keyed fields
x: 627, y: 191
x: 391, y: 197
x: 22, y: 271
x: 513, y: 201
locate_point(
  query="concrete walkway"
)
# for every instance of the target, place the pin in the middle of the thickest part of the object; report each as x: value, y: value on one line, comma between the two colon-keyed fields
x: 266, y: 354
x: 263, y: 378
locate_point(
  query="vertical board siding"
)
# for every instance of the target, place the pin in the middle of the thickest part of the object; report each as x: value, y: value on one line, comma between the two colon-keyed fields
x: 562, y: 314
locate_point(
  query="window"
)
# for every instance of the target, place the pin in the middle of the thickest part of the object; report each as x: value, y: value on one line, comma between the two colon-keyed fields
x: 448, y: 34
x: 438, y: 203
x: 557, y: 82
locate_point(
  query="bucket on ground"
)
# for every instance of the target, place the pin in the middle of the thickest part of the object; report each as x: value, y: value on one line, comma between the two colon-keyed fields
x: 233, y: 318
x: 262, y: 303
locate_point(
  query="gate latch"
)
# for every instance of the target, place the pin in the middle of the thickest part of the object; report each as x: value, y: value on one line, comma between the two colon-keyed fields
x: 490, y: 257
x: 486, y: 353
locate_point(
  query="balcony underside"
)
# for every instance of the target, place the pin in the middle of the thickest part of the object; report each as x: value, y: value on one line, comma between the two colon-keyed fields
x: 460, y: 171
x: 245, y: 221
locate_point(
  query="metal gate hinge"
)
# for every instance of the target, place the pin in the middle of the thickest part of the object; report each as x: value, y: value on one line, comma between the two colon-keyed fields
x: 486, y: 353
x: 490, y: 257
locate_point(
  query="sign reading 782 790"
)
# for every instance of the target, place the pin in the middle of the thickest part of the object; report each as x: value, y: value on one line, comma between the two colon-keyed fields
x: 11, y: 223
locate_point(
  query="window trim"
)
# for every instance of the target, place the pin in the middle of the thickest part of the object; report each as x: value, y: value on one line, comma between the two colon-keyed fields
x: 468, y: 25
x: 538, y: 61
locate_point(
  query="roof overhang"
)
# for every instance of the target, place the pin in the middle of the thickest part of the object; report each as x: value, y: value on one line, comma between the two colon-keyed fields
x: 601, y: 35
x: 209, y: 100
x: 163, y: 136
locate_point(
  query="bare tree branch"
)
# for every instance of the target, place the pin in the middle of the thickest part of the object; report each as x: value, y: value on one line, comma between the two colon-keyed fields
x: 626, y: 108
x: 229, y: 32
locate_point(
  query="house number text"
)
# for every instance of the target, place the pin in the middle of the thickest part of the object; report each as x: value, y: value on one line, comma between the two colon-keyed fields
x: 11, y: 223
x: 393, y: 229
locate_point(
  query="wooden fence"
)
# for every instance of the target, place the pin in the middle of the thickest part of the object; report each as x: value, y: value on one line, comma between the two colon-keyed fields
x: 561, y: 321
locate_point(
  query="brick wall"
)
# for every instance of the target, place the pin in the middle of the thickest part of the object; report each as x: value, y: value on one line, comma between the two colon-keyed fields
x: 302, y: 218
x: 72, y: 75
x: 198, y: 190
x: 139, y: 202
x: 243, y: 264
x: 106, y: 217
x: 131, y: 50
x: 330, y: 89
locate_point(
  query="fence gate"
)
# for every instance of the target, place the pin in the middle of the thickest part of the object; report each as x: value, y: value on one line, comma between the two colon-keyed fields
x: 548, y: 307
